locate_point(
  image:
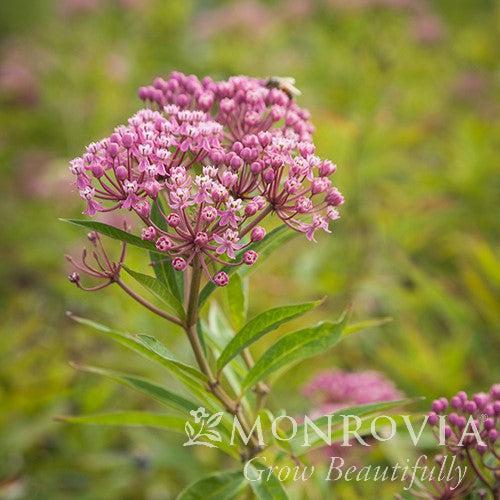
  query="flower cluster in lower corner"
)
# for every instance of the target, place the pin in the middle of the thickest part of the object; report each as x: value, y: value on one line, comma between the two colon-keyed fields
x: 203, y: 170
x: 469, y: 426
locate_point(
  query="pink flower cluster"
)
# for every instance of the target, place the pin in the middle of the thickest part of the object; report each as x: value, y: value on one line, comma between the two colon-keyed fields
x: 215, y: 158
x: 334, y: 390
x: 484, y: 408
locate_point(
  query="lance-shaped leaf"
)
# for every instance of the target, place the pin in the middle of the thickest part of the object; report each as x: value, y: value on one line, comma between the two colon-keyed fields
x: 159, y: 289
x: 263, y: 247
x: 265, y: 487
x: 335, y: 419
x: 143, y: 385
x: 236, y: 293
x: 295, y: 347
x: 113, y: 232
x: 150, y: 348
x: 129, y: 418
x: 140, y: 419
x: 218, y: 486
x: 363, y: 325
x: 259, y: 326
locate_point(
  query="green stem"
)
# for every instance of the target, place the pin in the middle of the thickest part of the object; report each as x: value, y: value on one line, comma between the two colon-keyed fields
x: 231, y: 406
x: 147, y: 304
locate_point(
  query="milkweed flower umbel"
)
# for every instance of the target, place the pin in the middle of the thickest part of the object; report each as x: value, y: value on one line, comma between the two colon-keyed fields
x: 207, y: 165
x: 469, y: 427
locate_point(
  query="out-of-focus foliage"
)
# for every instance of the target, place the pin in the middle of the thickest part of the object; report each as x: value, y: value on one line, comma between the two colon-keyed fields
x: 404, y: 94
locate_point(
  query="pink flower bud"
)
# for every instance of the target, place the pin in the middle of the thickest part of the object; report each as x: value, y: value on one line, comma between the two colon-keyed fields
x: 143, y: 93
x: 258, y: 233
x: 237, y: 147
x: 97, y: 170
x: 256, y: 167
x: 164, y: 244
x: 269, y: 175
x: 221, y: 278
x: 121, y: 172
x: 179, y: 264
x: 217, y: 156
x: 73, y: 277
x: 251, y: 209
x: 113, y: 149
x: 433, y: 418
x: 236, y: 162
x: 249, y: 257
x: 127, y: 141
x: 493, y: 435
x: 148, y: 233
x: 173, y: 219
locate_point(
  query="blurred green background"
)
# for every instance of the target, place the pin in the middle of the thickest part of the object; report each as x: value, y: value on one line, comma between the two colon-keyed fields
x: 404, y: 95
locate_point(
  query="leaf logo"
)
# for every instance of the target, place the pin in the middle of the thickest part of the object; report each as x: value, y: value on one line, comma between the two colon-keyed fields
x: 203, y: 428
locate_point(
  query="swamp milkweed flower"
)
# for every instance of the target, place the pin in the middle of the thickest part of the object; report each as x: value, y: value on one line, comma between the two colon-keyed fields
x: 205, y: 167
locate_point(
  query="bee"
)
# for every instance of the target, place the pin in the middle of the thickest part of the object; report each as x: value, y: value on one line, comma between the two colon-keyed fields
x: 286, y: 84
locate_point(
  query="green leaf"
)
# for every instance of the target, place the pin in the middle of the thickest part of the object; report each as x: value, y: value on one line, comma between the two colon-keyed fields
x: 295, y: 347
x: 262, y: 247
x: 152, y: 349
x: 157, y: 288
x: 267, y: 487
x: 130, y: 418
x: 236, y: 293
x: 218, y: 486
x: 363, y: 325
x: 259, y: 326
x: 112, y: 232
x: 140, y: 419
x: 143, y: 385
x: 337, y: 434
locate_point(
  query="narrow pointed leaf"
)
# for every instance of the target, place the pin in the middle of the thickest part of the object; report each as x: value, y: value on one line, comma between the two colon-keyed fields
x: 236, y: 293
x: 112, y: 232
x: 363, y: 325
x: 295, y: 347
x: 145, y: 386
x: 150, y: 348
x: 159, y: 289
x: 262, y: 247
x: 218, y: 486
x: 259, y: 326
x: 130, y: 418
